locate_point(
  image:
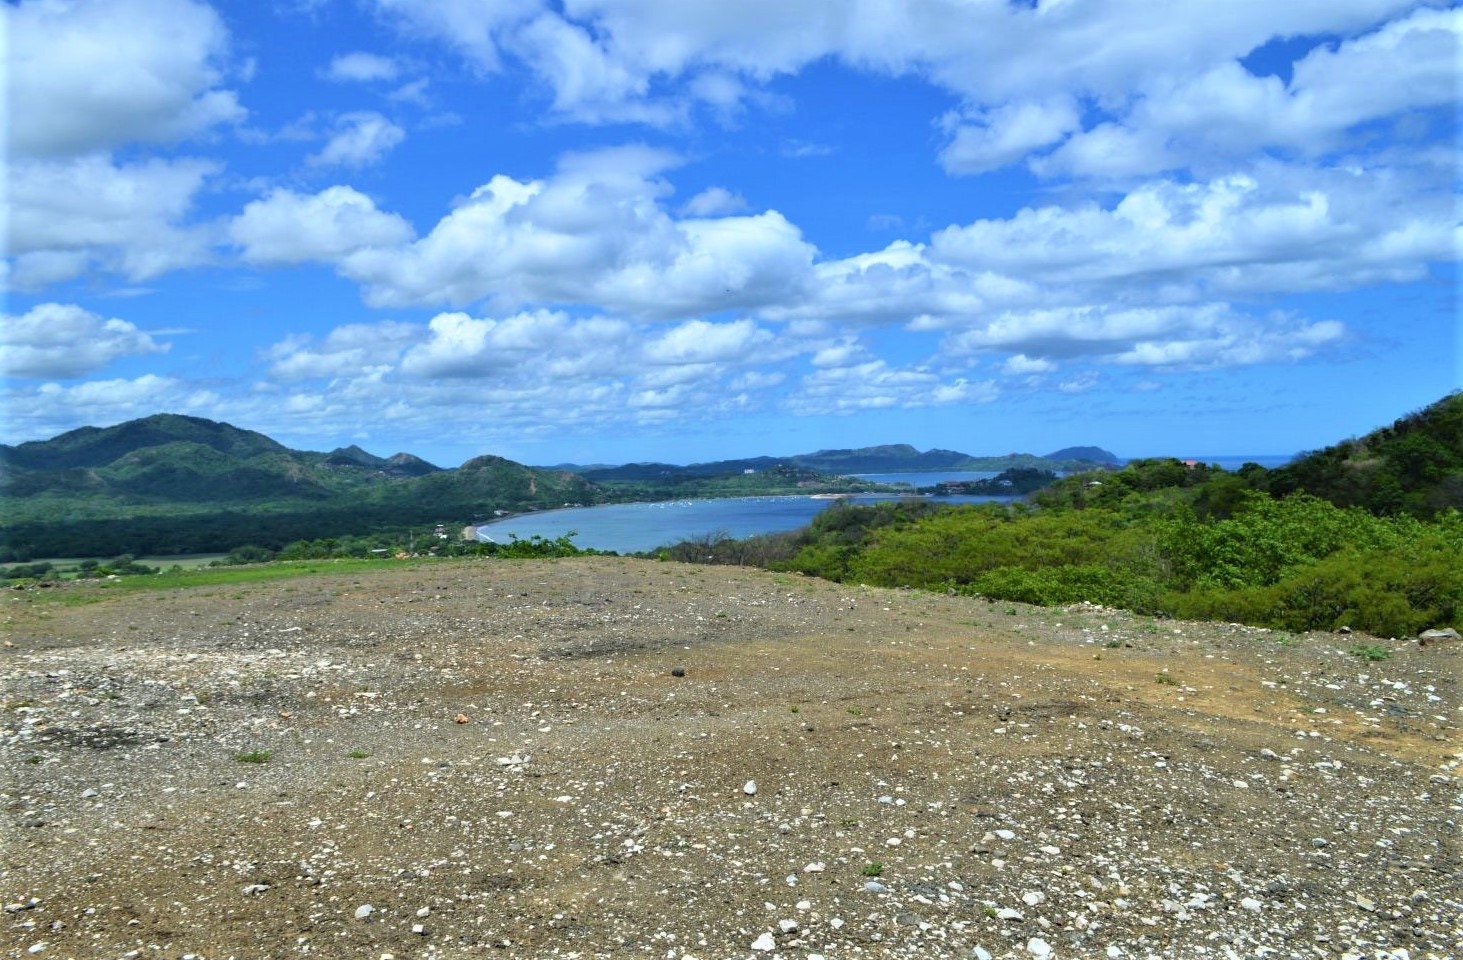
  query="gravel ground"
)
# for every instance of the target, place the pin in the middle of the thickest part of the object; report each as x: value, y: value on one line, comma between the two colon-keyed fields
x: 612, y: 758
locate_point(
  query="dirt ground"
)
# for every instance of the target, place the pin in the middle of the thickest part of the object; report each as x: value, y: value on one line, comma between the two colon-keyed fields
x: 605, y: 757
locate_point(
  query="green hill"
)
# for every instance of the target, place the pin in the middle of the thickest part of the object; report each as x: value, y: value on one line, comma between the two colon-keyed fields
x: 174, y: 484
x: 1413, y: 466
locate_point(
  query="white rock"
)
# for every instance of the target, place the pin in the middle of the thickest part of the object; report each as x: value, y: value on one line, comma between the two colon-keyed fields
x: 750, y: 789
x: 817, y: 867
x: 1006, y: 913
x: 981, y: 953
x: 1033, y: 898
x: 764, y: 943
x: 254, y: 888
x: 1251, y: 904
x: 88, y: 793
x: 364, y: 911
x: 1038, y: 947
x: 1114, y: 952
x: 1006, y: 834
x: 787, y: 926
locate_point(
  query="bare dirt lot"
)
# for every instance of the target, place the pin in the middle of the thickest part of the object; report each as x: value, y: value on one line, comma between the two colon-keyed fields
x: 603, y: 757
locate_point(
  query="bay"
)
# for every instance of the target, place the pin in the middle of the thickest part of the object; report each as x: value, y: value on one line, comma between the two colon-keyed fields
x: 635, y: 527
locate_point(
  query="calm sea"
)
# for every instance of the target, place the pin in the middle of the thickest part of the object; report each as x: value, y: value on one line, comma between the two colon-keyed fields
x: 633, y: 527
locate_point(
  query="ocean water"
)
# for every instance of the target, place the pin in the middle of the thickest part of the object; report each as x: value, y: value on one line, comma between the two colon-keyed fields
x: 633, y: 527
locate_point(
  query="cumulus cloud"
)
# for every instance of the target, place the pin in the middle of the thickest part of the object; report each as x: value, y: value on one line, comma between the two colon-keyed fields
x: 69, y: 216
x: 359, y: 140
x: 1226, y: 112
x: 361, y: 67
x: 97, y: 74
x: 353, y: 350
x: 595, y: 233
x: 1210, y: 335
x: 646, y: 61
x: 287, y: 227
x: 714, y: 201
x: 62, y: 340
x: 996, y: 138
x: 877, y: 385
x: 1283, y: 230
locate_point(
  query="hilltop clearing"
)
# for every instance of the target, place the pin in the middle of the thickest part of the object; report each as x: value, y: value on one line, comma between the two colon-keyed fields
x: 607, y: 757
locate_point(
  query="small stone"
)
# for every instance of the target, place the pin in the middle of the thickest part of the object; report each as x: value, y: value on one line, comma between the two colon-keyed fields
x: 678, y: 671
x: 1445, y: 633
x: 424, y: 912
x: 1006, y: 913
x: 419, y: 929
x: 364, y: 911
x: 1114, y: 952
x: 874, y: 886
x: 750, y: 788
x: 765, y: 943
x: 254, y: 888
x: 1038, y: 947
x: 88, y: 793
x: 460, y: 718
x: 981, y: 953
x: 1006, y: 834
x: 1033, y: 898
x: 787, y: 926
x: 818, y: 867
x: 1251, y: 904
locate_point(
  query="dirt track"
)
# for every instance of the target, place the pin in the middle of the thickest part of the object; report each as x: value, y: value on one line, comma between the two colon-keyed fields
x: 934, y: 776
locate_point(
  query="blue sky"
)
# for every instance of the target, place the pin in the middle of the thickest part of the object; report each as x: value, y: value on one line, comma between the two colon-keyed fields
x: 618, y: 230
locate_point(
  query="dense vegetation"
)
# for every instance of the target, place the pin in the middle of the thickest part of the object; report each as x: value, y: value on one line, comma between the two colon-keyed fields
x: 1367, y: 535
x: 180, y: 485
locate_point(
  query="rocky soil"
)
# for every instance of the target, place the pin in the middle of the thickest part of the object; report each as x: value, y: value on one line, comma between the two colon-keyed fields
x: 611, y: 758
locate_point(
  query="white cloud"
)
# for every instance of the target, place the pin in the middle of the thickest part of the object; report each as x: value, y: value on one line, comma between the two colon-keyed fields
x: 1005, y: 135
x: 353, y: 350
x: 64, y: 340
x: 1282, y: 229
x: 359, y: 140
x: 698, y: 342
x: 1225, y: 113
x: 286, y: 227
x: 98, y: 74
x: 714, y: 201
x: 474, y: 27
x: 361, y: 67
x: 1210, y: 335
x: 1020, y: 72
x: 68, y: 216
x: 1022, y: 365
x: 595, y: 233
x: 876, y: 385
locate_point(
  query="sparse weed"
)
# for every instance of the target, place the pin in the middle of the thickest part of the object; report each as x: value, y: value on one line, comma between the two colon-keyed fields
x: 253, y: 756
x: 1166, y: 679
x: 1370, y: 652
x: 874, y: 869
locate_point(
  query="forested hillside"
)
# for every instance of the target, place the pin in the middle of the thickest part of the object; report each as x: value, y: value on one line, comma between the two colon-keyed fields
x: 1366, y: 535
